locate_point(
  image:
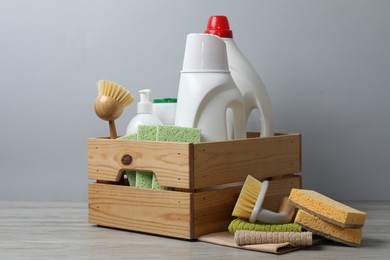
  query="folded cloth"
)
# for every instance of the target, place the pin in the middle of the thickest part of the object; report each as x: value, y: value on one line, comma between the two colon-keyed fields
x: 227, y: 239
x: 241, y: 224
x: 247, y: 237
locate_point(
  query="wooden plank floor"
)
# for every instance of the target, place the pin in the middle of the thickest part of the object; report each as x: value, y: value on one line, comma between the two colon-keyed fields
x: 52, y: 230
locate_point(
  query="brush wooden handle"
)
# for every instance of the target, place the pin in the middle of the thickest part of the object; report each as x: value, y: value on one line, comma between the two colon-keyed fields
x: 108, y: 109
x: 112, y: 129
x: 247, y: 237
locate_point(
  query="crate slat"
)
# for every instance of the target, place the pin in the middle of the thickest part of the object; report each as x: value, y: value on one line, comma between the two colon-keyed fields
x: 217, y: 163
x: 171, y: 162
x: 152, y: 211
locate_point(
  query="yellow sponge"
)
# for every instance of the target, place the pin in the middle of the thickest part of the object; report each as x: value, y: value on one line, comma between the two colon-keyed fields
x: 326, y: 208
x: 348, y: 236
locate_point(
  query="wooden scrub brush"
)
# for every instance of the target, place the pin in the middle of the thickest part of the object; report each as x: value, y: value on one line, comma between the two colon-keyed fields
x: 110, y: 102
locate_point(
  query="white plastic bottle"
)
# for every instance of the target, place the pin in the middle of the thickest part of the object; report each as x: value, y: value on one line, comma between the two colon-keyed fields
x: 144, y: 113
x: 165, y: 110
x: 207, y: 90
x: 248, y: 81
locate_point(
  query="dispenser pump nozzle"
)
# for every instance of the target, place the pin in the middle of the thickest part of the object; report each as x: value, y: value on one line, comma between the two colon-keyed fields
x: 144, y: 106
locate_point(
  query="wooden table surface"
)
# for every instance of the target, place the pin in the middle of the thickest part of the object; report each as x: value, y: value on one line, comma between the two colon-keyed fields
x: 52, y: 230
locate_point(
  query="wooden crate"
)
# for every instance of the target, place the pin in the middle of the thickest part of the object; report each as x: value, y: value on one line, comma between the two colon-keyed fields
x: 207, y: 178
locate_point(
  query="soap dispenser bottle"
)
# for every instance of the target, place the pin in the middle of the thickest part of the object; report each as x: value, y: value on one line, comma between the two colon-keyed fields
x: 244, y: 75
x: 144, y: 113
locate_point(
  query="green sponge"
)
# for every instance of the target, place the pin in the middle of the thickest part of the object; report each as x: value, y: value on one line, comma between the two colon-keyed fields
x: 131, y: 177
x: 167, y: 133
x: 129, y: 137
x: 147, y: 132
x: 170, y: 133
x: 143, y: 179
x: 240, y: 224
x: 157, y: 186
x: 162, y: 133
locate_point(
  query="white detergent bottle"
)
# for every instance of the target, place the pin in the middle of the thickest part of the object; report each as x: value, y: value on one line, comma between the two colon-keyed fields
x: 247, y: 80
x: 144, y: 113
x: 207, y: 90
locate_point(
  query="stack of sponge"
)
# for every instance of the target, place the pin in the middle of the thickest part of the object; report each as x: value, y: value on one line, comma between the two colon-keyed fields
x: 162, y: 133
x: 328, y: 218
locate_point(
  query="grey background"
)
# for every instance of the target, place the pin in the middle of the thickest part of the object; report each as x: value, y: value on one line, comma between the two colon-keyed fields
x: 326, y: 65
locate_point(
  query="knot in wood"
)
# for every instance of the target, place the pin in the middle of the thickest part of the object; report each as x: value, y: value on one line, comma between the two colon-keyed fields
x: 127, y: 159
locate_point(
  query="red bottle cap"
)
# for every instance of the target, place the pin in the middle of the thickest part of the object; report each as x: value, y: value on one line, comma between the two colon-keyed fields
x: 219, y: 25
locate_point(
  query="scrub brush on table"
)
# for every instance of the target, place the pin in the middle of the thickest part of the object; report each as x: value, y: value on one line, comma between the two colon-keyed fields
x: 110, y: 102
x: 250, y: 201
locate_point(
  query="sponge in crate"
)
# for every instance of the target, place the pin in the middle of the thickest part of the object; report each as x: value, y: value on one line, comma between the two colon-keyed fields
x: 147, y: 179
x: 128, y: 137
x: 144, y: 179
x: 130, y: 174
x: 170, y: 133
x: 347, y: 236
x: 145, y: 133
x: 167, y: 133
x: 131, y: 177
x: 327, y: 209
x: 157, y: 186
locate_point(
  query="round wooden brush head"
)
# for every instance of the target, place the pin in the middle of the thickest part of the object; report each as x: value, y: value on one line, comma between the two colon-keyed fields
x: 112, y: 99
x: 108, y: 108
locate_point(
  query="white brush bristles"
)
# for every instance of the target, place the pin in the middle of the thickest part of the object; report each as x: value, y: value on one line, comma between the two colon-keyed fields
x: 115, y: 91
x: 247, y: 199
